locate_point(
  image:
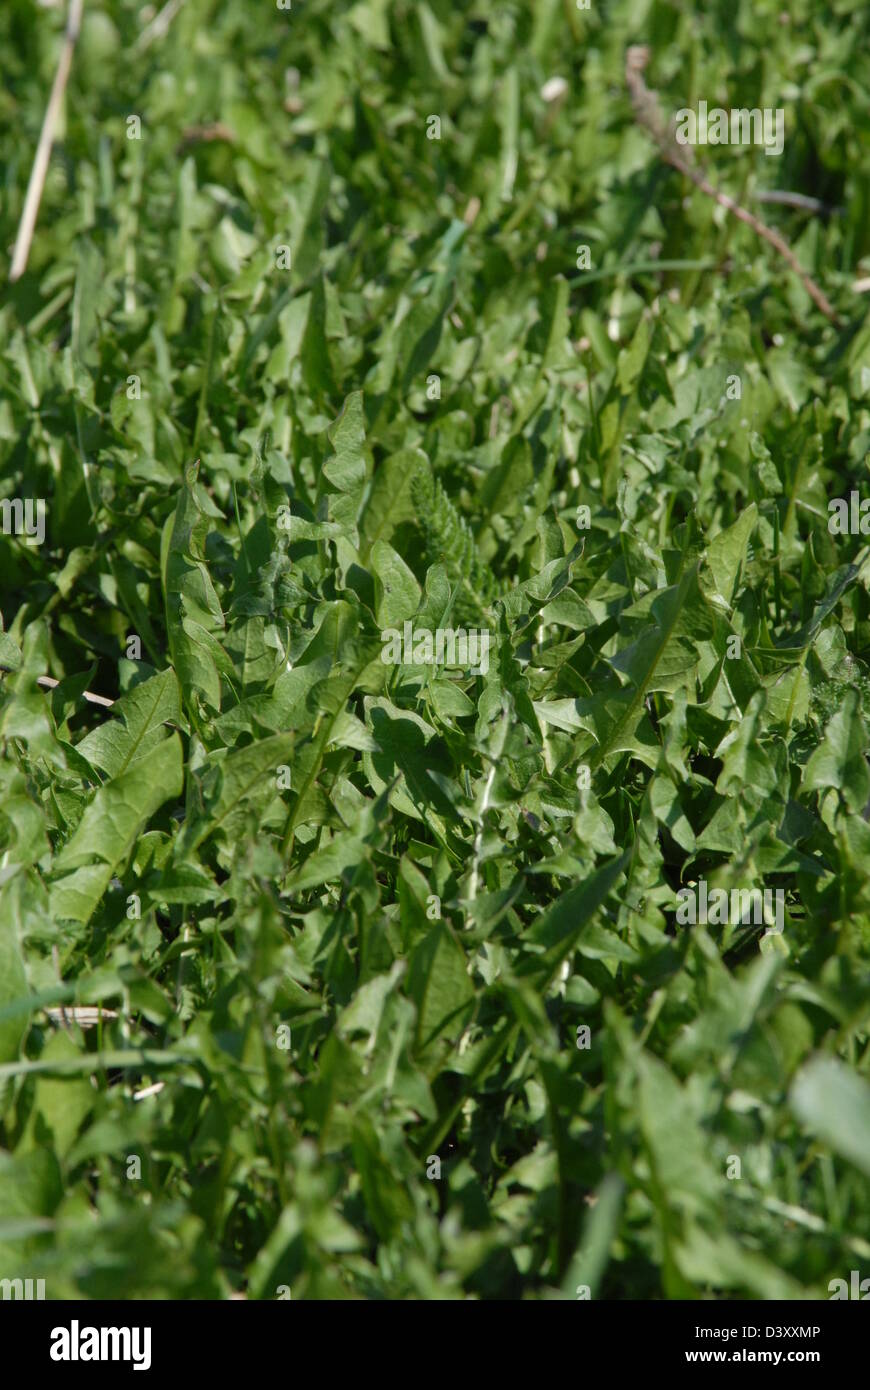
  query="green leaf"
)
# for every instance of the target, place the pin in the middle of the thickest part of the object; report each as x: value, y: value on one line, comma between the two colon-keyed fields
x: 438, y: 984
x: 599, y: 1231
x: 833, y: 1103
x: 386, y: 1201
x: 30, y: 1192
x: 398, y: 593
x: 632, y: 359
x: 683, y: 1178
x: 661, y: 657
x: 840, y: 760
x: 13, y: 984
x: 230, y: 780
x: 389, y: 501
x: 189, y: 592
x: 107, y: 831
x: 727, y: 552
x: 144, y: 712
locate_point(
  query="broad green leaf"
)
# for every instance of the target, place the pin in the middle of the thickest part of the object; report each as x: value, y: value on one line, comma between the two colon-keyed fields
x: 439, y: 985
x: 840, y: 759
x: 727, y: 551
x: 81, y: 871
x: 389, y: 501
x: 682, y: 1174
x: 30, y: 1192
x: 229, y: 781
x: 662, y: 656
x: 398, y: 593
x: 833, y: 1103
x: 136, y: 726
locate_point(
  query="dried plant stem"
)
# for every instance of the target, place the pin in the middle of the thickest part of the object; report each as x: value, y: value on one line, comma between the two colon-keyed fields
x: 46, y: 140
x: 159, y: 26
x: 49, y: 682
x: 794, y: 200
x: 647, y: 114
x: 85, y: 1015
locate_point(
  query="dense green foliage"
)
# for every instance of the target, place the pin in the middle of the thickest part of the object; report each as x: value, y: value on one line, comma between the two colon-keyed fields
x: 289, y: 371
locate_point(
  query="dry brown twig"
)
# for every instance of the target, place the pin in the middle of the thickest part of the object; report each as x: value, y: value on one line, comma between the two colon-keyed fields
x: 204, y: 135
x: 27, y: 225
x: 648, y: 114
